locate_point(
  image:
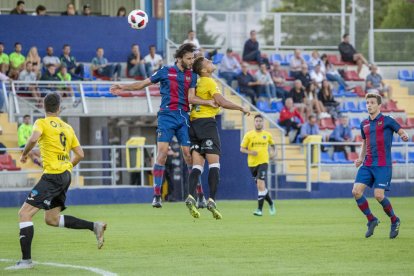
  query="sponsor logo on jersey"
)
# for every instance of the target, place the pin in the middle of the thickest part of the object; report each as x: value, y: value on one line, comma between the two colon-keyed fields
x: 187, y: 78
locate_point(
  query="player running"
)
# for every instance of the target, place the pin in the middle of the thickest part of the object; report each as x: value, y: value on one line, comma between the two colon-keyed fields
x: 256, y: 145
x: 177, y: 85
x: 56, y: 140
x: 376, y: 171
x: 205, y: 140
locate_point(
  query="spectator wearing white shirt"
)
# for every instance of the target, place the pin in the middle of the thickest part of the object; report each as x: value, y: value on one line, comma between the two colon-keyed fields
x: 229, y: 67
x: 191, y: 38
x: 153, y: 61
x: 263, y: 76
x: 332, y: 74
x: 295, y: 64
x: 50, y: 58
x: 29, y: 75
x: 317, y: 76
x: 315, y: 59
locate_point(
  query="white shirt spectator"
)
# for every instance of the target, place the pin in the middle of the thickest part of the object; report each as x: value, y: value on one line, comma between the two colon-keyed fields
x: 155, y: 61
x: 3, y: 77
x: 27, y: 76
x: 317, y: 78
x: 51, y: 60
x: 264, y: 78
x: 229, y: 64
x: 194, y: 41
x: 295, y: 64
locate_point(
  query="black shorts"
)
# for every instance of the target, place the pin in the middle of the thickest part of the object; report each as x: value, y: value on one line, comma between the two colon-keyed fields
x: 204, y: 136
x: 259, y: 172
x: 50, y: 191
x: 348, y: 58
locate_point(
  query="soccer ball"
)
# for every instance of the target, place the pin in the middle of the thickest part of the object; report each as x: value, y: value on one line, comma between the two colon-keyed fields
x: 137, y: 19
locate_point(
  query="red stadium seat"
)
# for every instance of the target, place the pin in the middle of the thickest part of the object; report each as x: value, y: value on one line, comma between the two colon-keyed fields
x: 125, y: 94
x: 136, y: 78
x: 355, y: 76
x: 359, y: 91
x: 6, y: 162
x: 326, y: 124
x: 402, y: 123
x: 392, y: 105
x: 237, y: 56
x: 352, y: 156
x: 140, y: 93
x: 96, y: 75
x: 335, y: 60
x: 286, y: 76
x: 410, y: 122
x: 358, y: 138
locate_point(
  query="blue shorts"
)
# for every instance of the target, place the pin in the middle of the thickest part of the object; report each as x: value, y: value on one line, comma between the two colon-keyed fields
x: 374, y: 176
x: 172, y: 123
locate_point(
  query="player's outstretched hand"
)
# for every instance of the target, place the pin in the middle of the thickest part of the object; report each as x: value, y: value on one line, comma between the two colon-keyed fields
x: 246, y: 110
x: 404, y: 137
x: 358, y: 162
x: 23, y: 159
x: 115, y: 89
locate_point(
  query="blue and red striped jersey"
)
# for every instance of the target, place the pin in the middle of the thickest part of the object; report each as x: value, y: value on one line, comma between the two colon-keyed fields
x: 378, y: 135
x: 174, y: 85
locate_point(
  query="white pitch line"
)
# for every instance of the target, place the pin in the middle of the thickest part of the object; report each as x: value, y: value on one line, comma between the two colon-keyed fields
x: 92, y: 269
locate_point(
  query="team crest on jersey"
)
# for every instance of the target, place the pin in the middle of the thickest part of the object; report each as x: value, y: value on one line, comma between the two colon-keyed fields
x: 187, y: 78
x: 380, y: 123
x: 264, y: 137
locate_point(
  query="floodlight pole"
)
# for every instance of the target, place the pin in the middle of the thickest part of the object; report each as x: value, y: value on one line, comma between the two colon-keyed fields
x: 343, y: 22
x: 371, y: 31
x: 193, y: 15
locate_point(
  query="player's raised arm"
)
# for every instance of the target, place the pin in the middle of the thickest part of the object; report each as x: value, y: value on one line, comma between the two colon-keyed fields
x: 223, y: 102
x: 117, y: 88
x: 403, y: 135
x: 30, y: 145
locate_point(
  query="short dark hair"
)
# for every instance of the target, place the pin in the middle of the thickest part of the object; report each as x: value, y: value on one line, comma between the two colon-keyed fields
x: 40, y: 8
x: 191, y: 31
x: 258, y: 116
x: 374, y: 95
x: 198, y: 65
x: 52, y: 102
x: 99, y: 48
x: 17, y: 43
x: 26, y: 116
x: 1, y: 43
x: 152, y: 45
x: 345, y: 35
x: 311, y: 117
x: 19, y: 3
x: 65, y: 45
x: 184, y: 49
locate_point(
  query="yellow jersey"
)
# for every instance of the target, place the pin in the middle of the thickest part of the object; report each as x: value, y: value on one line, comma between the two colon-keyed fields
x: 258, y: 141
x: 56, y: 141
x: 205, y: 89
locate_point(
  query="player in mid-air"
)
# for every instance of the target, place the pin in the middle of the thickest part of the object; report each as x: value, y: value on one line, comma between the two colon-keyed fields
x: 205, y: 140
x: 256, y: 144
x: 375, y: 157
x: 177, y: 82
x: 56, y: 140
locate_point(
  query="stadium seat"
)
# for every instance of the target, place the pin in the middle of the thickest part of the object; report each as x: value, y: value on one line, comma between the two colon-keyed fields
x: 101, y: 77
x: 335, y: 60
x: 140, y: 93
x: 217, y: 58
x: 286, y: 76
x: 287, y: 59
x: 264, y: 106
x: 410, y: 122
x: 352, y: 156
x: 326, y: 123
x: 402, y: 123
x: 325, y: 158
x: 362, y: 106
x: 87, y: 71
x: 237, y: 56
x: 306, y: 57
x: 405, y: 75
x: 396, y: 139
x: 276, y: 57
x: 358, y: 138
x: 350, y: 107
x: 410, y: 157
x: 355, y: 123
x: 7, y: 163
x: 355, y: 76
x: 392, y: 106
x: 339, y: 157
x: 276, y: 106
x: 359, y: 91
x: 397, y: 157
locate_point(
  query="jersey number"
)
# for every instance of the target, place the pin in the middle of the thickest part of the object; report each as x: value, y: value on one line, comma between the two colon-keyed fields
x: 63, y: 140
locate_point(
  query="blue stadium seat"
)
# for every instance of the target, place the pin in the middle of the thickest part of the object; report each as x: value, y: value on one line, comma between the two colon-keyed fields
x: 397, y: 157
x: 339, y: 157
x: 350, y: 107
x: 405, y: 75
x: 325, y: 158
x: 355, y: 123
x: 276, y: 106
x: 287, y: 59
x: 410, y: 157
x: 264, y: 106
x: 276, y: 57
x: 87, y: 71
x: 306, y: 57
x: 362, y: 106
x: 217, y: 58
x: 397, y: 139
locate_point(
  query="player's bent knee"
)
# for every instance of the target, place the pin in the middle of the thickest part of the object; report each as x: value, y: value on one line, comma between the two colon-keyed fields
x: 52, y: 221
x: 357, y: 193
x: 379, y: 196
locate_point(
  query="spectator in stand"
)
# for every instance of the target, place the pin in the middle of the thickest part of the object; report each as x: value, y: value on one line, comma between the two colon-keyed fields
x: 101, y: 66
x: 290, y: 118
x: 375, y: 84
x: 342, y: 133
x: 317, y: 76
x: 74, y: 69
x: 121, y: 12
x: 4, y: 60
x: 304, y: 75
x: 50, y: 74
x: 34, y: 58
x: 50, y: 58
x: 312, y: 102
x: 40, y: 10
x: 326, y: 97
x: 315, y: 59
x: 87, y: 10
x: 19, y: 9
x: 263, y: 76
x: 70, y: 10
x: 349, y: 54
x: 24, y: 132
x: 296, y: 64
x: 16, y: 61
x: 332, y: 74
x: 309, y: 128
x: 297, y: 93
x: 191, y: 38
x: 29, y: 75
x: 136, y: 65
x: 248, y: 85
x: 64, y: 76
x: 278, y: 78
x: 251, y: 50
x: 153, y: 61
x: 229, y: 67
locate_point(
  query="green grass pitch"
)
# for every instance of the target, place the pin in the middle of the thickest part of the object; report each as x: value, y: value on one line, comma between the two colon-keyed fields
x: 319, y: 237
